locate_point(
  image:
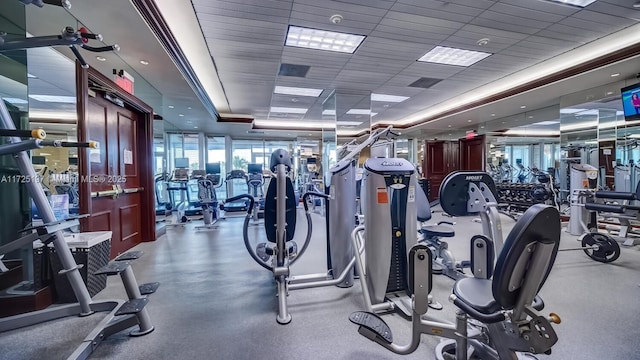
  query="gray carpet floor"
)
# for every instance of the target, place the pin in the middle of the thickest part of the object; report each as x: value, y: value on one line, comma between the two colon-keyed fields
x: 214, y: 302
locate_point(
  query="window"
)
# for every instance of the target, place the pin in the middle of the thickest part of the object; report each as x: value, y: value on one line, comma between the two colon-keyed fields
x: 216, y: 153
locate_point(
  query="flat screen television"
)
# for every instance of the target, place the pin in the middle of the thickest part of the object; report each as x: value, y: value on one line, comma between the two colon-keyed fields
x: 631, y: 102
x: 254, y: 168
x: 38, y: 160
x: 212, y: 168
x: 73, y: 161
x: 311, y: 160
x: 181, y: 163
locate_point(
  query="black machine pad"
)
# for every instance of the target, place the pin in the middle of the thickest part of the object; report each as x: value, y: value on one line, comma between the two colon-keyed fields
x: 373, y: 323
x: 437, y: 231
x: 454, y: 190
x: 540, y: 223
x: 270, y: 215
x: 618, y: 209
x: 129, y: 255
x: 132, y: 306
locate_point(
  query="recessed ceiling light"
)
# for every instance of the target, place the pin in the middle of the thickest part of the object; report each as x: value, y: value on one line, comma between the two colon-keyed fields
x: 530, y: 116
x: 361, y: 112
x: 295, y: 100
x: 297, y: 91
x: 144, y: 62
x: 493, y: 114
x: 54, y: 98
x: 388, y: 98
x: 322, y: 39
x: 469, y: 120
x: 180, y: 114
x: 195, y: 127
x: 73, y: 128
x: 170, y: 106
x: 101, y: 58
x: 449, y: 125
x: 609, y: 92
x: 330, y: 112
x: 523, y: 107
x: 616, y: 74
x: 452, y: 56
x: 189, y: 108
x: 290, y: 110
x: 482, y: 127
x: 580, y: 3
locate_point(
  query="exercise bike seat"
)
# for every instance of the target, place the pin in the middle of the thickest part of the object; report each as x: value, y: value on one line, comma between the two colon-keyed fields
x: 439, y: 230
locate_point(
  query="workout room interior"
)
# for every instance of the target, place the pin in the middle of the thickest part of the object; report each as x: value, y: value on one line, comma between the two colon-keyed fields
x: 319, y: 179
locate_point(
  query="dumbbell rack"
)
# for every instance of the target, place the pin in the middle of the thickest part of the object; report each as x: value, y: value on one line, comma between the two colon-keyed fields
x: 520, y: 196
x: 122, y: 314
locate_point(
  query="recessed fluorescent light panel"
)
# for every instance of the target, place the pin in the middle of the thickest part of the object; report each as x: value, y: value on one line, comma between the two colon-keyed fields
x: 297, y: 91
x: 361, y: 112
x: 452, y: 56
x: 388, y: 98
x: 349, y: 123
x: 580, y: 3
x: 54, y: 98
x: 323, y: 40
x: 329, y: 112
x: 288, y: 110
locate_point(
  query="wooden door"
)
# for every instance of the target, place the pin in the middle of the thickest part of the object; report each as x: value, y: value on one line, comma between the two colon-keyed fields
x: 121, y: 165
x: 606, y: 159
x: 441, y: 158
x: 472, y: 153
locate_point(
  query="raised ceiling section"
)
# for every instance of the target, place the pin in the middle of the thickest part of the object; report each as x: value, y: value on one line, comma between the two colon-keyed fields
x: 246, y: 40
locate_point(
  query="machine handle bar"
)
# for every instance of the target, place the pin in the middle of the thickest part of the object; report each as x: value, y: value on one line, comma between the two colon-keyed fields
x: 35, y: 133
x: 243, y: 196
x: 312, y: 193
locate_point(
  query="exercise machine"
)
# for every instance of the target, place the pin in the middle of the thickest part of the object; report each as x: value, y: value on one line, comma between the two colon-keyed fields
x: 207, y: 185
x: 464, y: 193
x: 496, y: 319
x: 178, y: 183
x: 233, y: 203
x: 121, y: 314
x: 255, y: 183
x: 281, y: 251
x: 163, y: 202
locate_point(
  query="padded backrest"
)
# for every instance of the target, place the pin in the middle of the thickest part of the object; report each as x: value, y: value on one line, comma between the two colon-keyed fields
x: 270, y: 215
x: 423, y: 208
x: 540, y: 224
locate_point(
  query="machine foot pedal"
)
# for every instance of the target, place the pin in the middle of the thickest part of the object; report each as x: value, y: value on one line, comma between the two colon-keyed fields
x: 129, y: 255
x: 132, y: 306
x: 261, y: 251
x: 148, y: 288
x: 374, y: 323
x: 113, y: 268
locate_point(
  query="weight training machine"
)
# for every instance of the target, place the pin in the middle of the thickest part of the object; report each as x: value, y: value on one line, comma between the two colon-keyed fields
x: 121, y: 314
x: 255, y: 183
x: 465, y: 193
x: 505, y: 310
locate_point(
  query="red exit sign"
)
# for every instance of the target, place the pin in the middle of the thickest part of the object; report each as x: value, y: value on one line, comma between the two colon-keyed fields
x: 125, y: 84
x: 124, y: 80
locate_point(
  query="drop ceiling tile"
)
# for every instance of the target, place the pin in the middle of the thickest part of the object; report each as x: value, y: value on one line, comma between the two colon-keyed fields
x: 544, y: 6
x: 500, y: 18
x: 609, y: 8
x: 521, y: 12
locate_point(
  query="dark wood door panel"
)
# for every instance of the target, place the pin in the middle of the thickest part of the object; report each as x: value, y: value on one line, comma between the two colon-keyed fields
x: 472, y: 153
x: 128, y: 147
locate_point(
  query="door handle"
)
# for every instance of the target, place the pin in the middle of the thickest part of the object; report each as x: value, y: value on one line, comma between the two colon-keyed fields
x: 133, y: 190
x: 113, y: 193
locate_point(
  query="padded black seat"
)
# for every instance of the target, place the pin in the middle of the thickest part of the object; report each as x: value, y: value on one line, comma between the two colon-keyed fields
x: 618, y: 209
x: 477, y: 292
x: 537, y: 229
x: 438, y: 231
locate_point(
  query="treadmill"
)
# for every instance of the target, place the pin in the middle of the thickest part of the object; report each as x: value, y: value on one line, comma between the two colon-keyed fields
x: 237, y: 184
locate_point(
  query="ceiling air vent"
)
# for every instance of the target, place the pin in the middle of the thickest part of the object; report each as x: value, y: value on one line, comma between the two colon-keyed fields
x: 293, y: 70
x: 425, y: 83
x: 255, y: 132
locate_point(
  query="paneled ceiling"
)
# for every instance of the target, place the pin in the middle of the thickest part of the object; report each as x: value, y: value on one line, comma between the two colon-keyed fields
x: 246, y: 41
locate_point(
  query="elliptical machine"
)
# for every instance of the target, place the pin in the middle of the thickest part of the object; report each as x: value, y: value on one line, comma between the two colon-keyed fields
x: 207, y: 196
x: 255, y: 182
